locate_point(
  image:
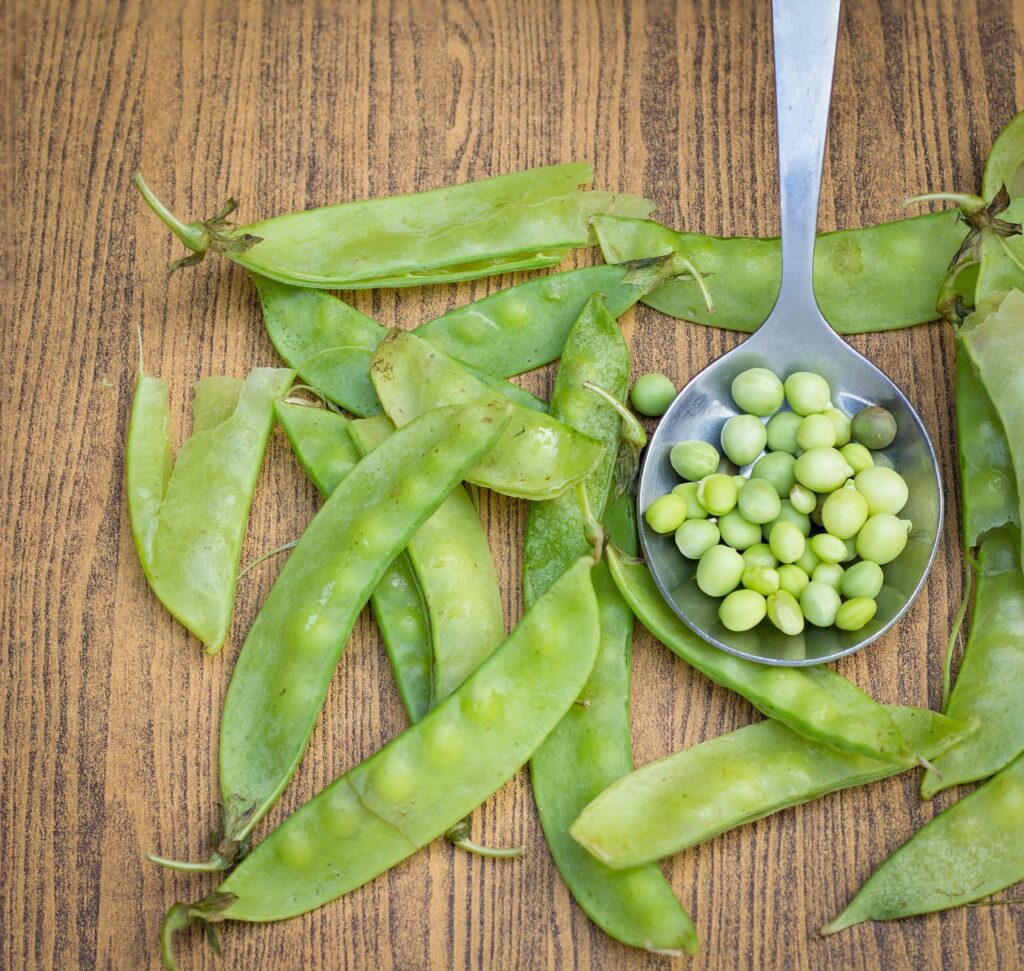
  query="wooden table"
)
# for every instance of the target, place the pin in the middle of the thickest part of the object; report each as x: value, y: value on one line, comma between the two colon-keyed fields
x: 111, y: 709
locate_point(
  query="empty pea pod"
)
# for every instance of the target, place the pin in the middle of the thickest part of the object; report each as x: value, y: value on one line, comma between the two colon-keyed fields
x: 385, y: 808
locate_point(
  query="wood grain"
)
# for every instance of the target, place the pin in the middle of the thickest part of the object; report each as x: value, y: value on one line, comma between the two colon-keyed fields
x: 110, y: 709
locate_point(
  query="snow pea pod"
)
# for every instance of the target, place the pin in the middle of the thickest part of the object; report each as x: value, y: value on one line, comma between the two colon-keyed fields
x: 538, y: 457
x: 992, y: 671
x: 695, y: 794
x: 321, y: 442
x: 970, y: 850
x: 860, y: 275
x: 189, y: 521
x: 816, y: 702
x: 384, y: 809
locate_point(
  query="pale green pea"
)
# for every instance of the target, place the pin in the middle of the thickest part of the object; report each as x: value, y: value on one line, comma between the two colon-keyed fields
x: 822, y: 469
x: 788, y: 514
x: 808, y: 393
x: 882, y: 538
x: 831, y: 574
x: 742, y: 609
x: 762, y: 579
x: 844, y: 512
x: 792, y: 579
x: 786, y: 542
x: 695, y: 537
x: 855, y: 613
x: 828, y: 548
x: 808, y: 561
x: 874, y: 427
x: 758, y: 501
x: 776, y: 468
x: 857, y: 457
x: 759, y: 554
x: 739, y: 481
x: 652, y: 394
x: 743, y: 438
x: 717, y: 494
x: 782, y: 431
x: 666, y: 515
x: 803, y: 499
x: 719, y: 571
x: 863, y: 579
x: 819, y: 603
x: 688, y: 491
x: 758, y: 391
x: 816, y: 431
x: 693, y: 460
x: 737, y: 532
x: 884, y: 490
x: 851, y: 550
x: 841, y: 424
x: 784, y: 612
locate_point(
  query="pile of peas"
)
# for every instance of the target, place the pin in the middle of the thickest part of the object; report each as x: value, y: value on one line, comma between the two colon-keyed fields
x: 774, y: 545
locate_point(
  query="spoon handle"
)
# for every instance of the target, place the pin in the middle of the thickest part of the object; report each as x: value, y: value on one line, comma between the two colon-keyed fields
x: 805, y: 53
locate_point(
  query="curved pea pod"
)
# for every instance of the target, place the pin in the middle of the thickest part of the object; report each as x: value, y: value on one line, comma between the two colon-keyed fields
x: 538, y: 457
x: 1004, y: 166
x: 321, y: 442
x: 700, y: 792
x: 967, y: 852
x: 189, y: 522
x: 992, y: 671
x: 813, y: 701
x: 426, y: 779
x: 860, y: 275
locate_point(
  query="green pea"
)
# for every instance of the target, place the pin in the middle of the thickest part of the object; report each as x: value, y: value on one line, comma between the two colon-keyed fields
x: 743, y: 438
x: 831, y: 574
x: 719, y: 571
x: 857, y: 456
x: 874, y: 427
x: 819, y: 603
x: 762, y: 579
x: 863, y: 579
x: 742, y: 609
x: 822, y: 469
x: 851, y: 549
x: 758, y: 501
x: 808, y: 561
x: 693, y: 460
x: 737, y: 532
x: 782, y: 431
x: 786, y: 542
x: 695, y: 537
x: 688, y: 492
x: 803, y: 499
x: 652, y: 394
x: 717, y: 494
x: 666, y: 515
x: 789, y: 515
x: 828, y: 548
x: 882, y: 538
x: 776, y: 468
x: 784, y: 612
x: 759, y: 554
x: 792, y: 579
x: 739, y: 481
x: 884, y: 490
x: 807, y: 393
x: 855, y: 613
x: 841, y: 424
x: 757, y: 391
x: 816, y: 431
x: 845, y: 511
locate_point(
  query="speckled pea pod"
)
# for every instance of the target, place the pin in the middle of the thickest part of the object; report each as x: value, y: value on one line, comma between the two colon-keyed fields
x: 429, y: 777
x: 189, y: 523
x: 538, y: 457
x: 700, y: 792
x: 992, y: 671
x: 967, y: 852
x: 813, y: 701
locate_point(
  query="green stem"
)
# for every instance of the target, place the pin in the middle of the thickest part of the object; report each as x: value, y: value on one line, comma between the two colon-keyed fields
x: 954, y: 634
x: 499, y: 854
x: 215, y: 864
x: 632, y: 431
x: 266, y: 556
x: 181, y: 916
x: 195, y: 236
x: 965, y: 201
x: 176, y: 919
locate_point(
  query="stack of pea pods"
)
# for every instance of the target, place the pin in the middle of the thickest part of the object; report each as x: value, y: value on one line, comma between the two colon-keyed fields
x: 433, y: 409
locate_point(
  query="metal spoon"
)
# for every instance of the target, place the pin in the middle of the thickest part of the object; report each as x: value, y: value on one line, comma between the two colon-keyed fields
x: 796, y: 338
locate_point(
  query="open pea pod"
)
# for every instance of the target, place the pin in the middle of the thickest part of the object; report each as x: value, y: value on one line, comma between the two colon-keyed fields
x: 816, y: 702
x: 189, y: 517
x: 537, y: 457
x: 426, y: 779
x: 695, y: 794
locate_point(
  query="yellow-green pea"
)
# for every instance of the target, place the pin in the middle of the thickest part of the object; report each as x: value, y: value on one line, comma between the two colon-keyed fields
x: 841, y: 424
x: 759, y: 554
x: 719, y: 571
x: 739, y: 481
x: 758, y: 501
x: 828, y: 548
x: 742, y: 610
x: 884, y: 490
x: 784, y: 612
x: 737, y: 532
x: 667, y: 514
x: 844, y: 512
x: 874, y: 427
x: 693, y: 460
x: 831, y: 574
x: 807, y: 393
x: 803, y: 499
x: 816, y: 431
x: 851, y: 549
x: 652, y: 394
x: 777, y: 469
x: 688, y: 492
x: 855, y: 613
x: 857, y: 457
x: 782, y: 431
x: 717, y: 494
x: 743, y: 438
x: 787, y: 514
x: 822, y: 469
x: 695, y: 537
x: 863, y: 579
x: 762, y: 579
x: 819, y: 603
x: 792, y: 579
x: 757, y: 391
x: 882, y: 538
x: 786, y: 542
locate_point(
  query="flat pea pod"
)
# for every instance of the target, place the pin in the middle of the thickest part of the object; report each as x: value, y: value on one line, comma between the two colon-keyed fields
x: 188, y: 518
x: 512, y: 222
x: 813, y: 701
x: 321, y: 442
x: 967, y: 852
x: 860, y: 275
x: 538, y: 457
x: 992, y: 671
x: 426, y: 779
x: 696, y: 794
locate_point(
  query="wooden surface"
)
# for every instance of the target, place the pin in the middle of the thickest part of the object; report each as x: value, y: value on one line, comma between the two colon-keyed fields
x: 110, y: 709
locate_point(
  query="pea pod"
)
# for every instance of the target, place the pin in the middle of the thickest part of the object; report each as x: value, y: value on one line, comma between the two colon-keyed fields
x: 970, y: 850
x: 538, y: 457
x: 189, y: 521
x: 429, y: 777
x: 813, y: 701
x: 321, y: 442
x: 700, y: 792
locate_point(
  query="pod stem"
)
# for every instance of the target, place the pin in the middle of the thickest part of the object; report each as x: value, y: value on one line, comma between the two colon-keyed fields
x: 181, y: 916
x: 215, y: 864
x: 458, y: 836
x: 632, y: 431
x: 954, y: 634
x: 592, y: 528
